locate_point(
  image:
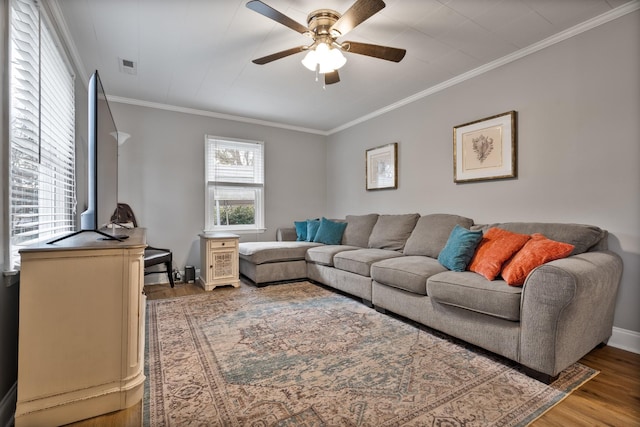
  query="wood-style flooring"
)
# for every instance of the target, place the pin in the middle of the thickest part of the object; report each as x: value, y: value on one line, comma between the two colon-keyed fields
x: 612, y: 398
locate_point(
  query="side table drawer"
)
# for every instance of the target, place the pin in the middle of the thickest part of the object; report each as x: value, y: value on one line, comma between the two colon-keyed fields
x: 217, y: 244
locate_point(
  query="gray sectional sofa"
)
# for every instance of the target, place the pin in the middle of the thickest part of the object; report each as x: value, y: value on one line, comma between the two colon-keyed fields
x: 564, y: 309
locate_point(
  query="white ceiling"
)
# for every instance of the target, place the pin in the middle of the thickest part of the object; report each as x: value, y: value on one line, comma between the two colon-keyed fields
x: 196, y: 54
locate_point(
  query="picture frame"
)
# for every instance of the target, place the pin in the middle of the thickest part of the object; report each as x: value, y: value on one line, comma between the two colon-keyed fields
x: 382, y: 167
x: 485, y: 149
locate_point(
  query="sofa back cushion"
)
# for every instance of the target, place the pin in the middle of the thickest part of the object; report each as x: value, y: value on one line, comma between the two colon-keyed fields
x: 432, y: 232
x: 359, y: 229
x: 582, y: 237
x: 392, y: 231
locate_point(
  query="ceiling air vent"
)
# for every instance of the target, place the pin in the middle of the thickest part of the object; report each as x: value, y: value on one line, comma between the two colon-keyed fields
x: 128, y: 66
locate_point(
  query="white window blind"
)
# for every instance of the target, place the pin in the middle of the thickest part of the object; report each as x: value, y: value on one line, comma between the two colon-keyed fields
x: 234, y: 175
x: 42, y: 131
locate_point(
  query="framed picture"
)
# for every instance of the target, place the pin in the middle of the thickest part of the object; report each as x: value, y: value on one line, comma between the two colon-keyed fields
x: 382, y: 167
x: 485, y: 149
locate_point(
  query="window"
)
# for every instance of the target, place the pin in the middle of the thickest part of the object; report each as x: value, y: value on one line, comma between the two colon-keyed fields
x: 41, y: 131
x: 234, y: 172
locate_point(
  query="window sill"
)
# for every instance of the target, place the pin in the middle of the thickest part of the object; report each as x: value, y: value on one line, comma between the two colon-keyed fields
x: 11, y: 277
x: 237, y: 231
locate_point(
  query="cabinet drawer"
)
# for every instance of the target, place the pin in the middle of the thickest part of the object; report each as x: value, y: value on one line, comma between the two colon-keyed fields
x: 231, y: 243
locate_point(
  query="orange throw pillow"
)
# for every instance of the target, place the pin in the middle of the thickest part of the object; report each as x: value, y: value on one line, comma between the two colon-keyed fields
x: 495, y: 248
x: 537, y: 251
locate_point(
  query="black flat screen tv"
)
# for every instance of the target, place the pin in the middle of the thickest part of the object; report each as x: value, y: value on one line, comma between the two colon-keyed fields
x: 102, y: 165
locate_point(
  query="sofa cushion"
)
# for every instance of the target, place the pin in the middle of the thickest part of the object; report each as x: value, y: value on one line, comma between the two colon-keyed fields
x: 359, y: 229
x: 324, y: 254
x: 582, y: 237
x: 330, y: 232
x: 431, y: 233
x: 409, y: 273
x: 392, y: 231
x: 312, y: 229
x: 535, y: 252
x: 459, y: 249
x: 495, y: 248
x: 301, y: 230
x: 359, y: 261
x: 263, y: 252
x: 473, y: 292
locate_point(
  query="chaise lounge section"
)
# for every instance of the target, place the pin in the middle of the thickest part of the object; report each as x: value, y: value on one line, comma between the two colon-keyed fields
x: 562, y: 310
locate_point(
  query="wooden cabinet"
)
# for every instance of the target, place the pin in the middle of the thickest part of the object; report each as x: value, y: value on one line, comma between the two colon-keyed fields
x: 81, y: 332
x: 219, y: 260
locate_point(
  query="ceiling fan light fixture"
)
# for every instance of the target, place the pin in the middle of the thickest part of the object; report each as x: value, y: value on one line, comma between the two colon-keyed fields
x: 325, y: 68
x: 337, y: 58
x: 326, y: 58
x: 310, y: 60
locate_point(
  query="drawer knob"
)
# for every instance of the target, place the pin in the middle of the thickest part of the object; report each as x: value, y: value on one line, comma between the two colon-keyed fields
x: 223, y: 243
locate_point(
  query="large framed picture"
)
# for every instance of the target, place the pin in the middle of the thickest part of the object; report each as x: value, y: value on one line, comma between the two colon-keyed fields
x: 485, y: 149
x: 382, y: 167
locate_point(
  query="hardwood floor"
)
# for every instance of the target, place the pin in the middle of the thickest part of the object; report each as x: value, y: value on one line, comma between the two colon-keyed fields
x: 612, y: 398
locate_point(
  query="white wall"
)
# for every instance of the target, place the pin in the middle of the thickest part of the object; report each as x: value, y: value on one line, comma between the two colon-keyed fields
x: 161, y: 174
x: 578, y: 105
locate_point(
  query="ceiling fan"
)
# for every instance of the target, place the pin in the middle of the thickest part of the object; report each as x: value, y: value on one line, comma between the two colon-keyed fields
x: 325, y: 26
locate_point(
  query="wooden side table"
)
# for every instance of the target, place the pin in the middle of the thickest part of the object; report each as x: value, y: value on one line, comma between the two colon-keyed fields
x: 219, y: 260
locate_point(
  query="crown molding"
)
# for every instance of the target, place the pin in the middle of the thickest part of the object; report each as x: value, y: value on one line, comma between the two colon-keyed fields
x: 63, y: 29
x: 550, y: 41
x: 213, y: 114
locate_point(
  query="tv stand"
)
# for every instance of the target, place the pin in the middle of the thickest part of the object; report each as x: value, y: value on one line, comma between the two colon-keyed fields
x: 118, y: 237
x: 81, y: 336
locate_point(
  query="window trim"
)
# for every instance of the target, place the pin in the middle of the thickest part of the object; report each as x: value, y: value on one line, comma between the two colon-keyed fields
x: 259, y: 224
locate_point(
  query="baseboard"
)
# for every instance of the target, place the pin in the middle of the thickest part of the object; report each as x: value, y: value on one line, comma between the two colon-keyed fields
x: 8, y: 406
x: 625, y: 340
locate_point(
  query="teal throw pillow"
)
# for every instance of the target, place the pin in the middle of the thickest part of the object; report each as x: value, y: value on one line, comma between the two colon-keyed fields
x: 312, y: 229
x: 330, y: 232
x: 301, y: 230
x: 459, y: 249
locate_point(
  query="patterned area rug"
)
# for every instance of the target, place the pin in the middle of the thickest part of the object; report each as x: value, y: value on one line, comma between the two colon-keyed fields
x: 300, y: 355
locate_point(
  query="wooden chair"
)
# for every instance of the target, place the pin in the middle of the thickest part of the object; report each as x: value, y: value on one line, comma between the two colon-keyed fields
x: 152, y: 255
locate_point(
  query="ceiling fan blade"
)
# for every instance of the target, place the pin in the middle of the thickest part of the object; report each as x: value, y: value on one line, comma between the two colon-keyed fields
x: 278, y: 55
x: 331, y: 78
x: 271, y: 13
x: 377, y: 51
x: 359, y: 12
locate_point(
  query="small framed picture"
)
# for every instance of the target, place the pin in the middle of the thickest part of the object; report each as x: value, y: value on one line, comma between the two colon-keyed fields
x: 382, y: 167
x: 485, y: 149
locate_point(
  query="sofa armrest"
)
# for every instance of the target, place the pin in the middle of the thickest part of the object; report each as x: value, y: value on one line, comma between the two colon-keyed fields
x: 286, y: 234
x: 567, y: 309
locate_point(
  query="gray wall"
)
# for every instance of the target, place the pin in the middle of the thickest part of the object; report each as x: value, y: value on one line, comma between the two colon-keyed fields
x: 578, y: 106
x: 161, y: 174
